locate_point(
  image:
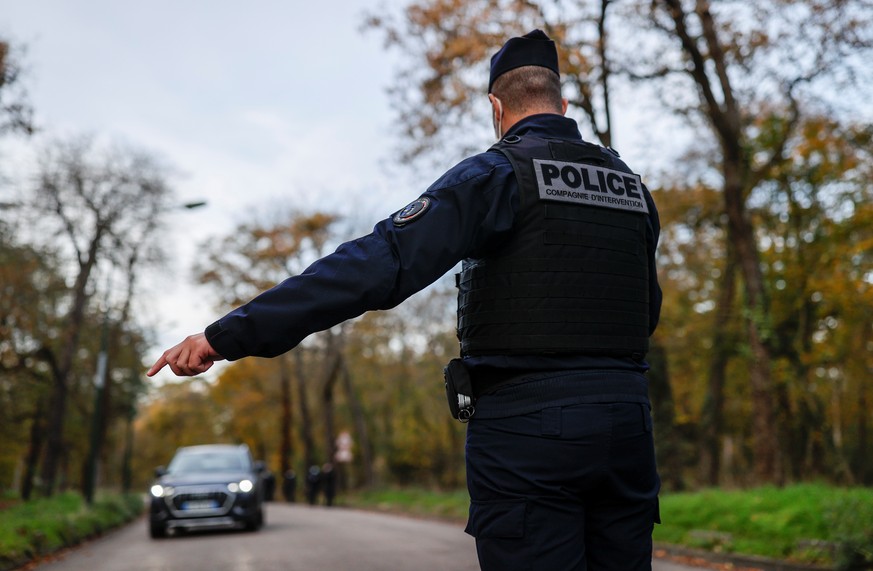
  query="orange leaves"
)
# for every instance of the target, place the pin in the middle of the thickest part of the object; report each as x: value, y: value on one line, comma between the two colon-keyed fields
x: 258, y: 254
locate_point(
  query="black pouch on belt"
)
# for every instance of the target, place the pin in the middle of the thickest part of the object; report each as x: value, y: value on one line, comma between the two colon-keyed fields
x: 459, y: 390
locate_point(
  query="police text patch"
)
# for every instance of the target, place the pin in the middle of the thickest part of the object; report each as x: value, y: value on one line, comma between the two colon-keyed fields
x: 412, y: 211
x: 588, y: 184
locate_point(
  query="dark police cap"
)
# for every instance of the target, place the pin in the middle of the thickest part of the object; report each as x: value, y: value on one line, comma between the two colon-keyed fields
x: 534, y: 48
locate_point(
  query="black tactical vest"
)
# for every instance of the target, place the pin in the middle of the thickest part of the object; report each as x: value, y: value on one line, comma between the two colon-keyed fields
x: 574, y: 278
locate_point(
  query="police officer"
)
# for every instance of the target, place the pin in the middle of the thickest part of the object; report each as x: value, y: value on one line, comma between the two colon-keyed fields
x: 328, y: 480
x: 289, y: 485
x: 557, y: 298
x: 313, y: 484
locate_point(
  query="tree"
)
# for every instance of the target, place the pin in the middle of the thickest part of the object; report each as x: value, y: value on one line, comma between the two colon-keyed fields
x: 32, y: 290
x: 816, y: 218
x: 104, y: 205
x: 448, y: 45
x: 16, y: 114
x: 179, y: 414
x: 746, y: 63
x: 254, y: 257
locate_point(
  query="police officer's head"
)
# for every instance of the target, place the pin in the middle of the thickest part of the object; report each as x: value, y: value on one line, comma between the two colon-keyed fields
x: 524, y: 80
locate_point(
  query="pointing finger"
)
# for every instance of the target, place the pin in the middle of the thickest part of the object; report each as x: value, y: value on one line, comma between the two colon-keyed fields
x: 159, y: 364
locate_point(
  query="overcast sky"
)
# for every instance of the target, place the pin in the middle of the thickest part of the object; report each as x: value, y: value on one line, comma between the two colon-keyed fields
x: 253, y: 103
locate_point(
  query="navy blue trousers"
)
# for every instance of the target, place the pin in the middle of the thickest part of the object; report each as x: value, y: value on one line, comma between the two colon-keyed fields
x: 563, y: 488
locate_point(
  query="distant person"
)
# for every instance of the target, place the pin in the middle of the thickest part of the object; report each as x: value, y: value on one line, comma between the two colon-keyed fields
x: 289, y: 485
x: 557, y: 297
x: 269, y: 486
x: 313, y: 484
x: 328, y: 483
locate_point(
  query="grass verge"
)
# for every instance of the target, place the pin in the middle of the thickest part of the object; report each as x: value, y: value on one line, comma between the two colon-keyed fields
x: 38, y: 527
x: 450, y: 505
x: 809, y: 523
x: 806, y: 523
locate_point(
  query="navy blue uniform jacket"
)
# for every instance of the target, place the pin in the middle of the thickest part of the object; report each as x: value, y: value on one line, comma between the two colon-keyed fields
x: 472, y: 206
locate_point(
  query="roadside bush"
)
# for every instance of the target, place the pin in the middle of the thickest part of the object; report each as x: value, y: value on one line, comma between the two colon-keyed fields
x: 851, y: 521
x: 30, y: 529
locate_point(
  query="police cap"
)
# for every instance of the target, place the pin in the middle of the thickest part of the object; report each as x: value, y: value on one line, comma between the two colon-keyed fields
x: 534, y: 48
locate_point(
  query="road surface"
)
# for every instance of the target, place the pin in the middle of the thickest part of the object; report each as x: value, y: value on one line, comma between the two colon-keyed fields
x: 295, y: 538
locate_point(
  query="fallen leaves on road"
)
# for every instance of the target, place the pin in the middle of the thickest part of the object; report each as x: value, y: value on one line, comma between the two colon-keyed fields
x: 700, y: 562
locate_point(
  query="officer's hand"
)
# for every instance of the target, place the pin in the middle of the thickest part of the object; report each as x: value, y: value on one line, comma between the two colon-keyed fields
x: 191, y: 357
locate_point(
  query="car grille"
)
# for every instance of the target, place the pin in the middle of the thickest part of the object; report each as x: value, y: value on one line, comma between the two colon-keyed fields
x: 191, y: 501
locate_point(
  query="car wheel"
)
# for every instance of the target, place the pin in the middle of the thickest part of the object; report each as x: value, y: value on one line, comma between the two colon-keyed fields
x: 157, y: 530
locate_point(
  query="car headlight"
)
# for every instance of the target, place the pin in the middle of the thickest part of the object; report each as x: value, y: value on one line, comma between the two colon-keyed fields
x: 244, y: 486
x: 160, y: 491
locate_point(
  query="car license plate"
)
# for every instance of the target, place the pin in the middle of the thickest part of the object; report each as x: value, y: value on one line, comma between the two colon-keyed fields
x: 200, y: 505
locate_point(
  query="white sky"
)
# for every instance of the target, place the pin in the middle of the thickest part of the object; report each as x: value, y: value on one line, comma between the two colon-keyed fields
x: 254, y: 103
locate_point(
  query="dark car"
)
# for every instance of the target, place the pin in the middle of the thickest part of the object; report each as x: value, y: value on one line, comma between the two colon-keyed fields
x: 206, y: 487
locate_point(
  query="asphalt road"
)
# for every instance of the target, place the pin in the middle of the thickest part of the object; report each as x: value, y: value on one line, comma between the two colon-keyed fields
x: 295, y: 538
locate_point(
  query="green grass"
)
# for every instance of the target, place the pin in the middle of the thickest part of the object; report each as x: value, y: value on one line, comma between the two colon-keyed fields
x: 30, y: 529
x: 801, y: 522
x: 811, y: 523
x: 451, y: 505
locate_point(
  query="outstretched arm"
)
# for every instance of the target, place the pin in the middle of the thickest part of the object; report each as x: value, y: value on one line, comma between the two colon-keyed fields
x: 470, y: 207
x: 191, y: 357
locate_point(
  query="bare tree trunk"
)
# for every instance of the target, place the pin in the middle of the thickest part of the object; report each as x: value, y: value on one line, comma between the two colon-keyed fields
x: 305, y: 420
x: 863, y: 465
x: 741, y: 235
x: 668, y: 442
x: 287, y: 416
x: 33, y: 451
x: 707, y: 56
x: 364, y: 445
x: 722, y: 348
x: 60, y: 388
x: 334, y: 361
x: 837, y: 433
x: 605, y: 135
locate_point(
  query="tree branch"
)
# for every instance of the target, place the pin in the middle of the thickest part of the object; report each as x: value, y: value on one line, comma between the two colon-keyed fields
x: 698, y: 70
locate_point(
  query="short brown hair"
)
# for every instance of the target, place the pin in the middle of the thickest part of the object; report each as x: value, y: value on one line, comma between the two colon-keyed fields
x: 527, y: 88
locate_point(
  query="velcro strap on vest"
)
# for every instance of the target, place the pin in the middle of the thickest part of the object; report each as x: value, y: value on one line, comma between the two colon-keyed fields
x: 553, y: 317
x: 604, y: 243
x: 545, y: 344
x: 557, y: 292
x: 632, y: 268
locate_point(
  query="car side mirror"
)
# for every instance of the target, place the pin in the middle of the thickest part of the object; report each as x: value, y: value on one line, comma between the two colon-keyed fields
x: 160, y: 471
x: 259, y: 466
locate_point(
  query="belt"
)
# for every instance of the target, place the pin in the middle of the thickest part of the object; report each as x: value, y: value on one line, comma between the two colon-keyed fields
x: 518, y: 393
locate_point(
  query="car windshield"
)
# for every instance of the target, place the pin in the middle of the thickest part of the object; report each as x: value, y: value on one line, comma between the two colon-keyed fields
x: 213, y: 461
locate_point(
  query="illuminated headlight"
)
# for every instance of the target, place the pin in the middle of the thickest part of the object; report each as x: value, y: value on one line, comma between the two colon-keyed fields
x: 245, y: 486
x: 160, y: 491
x: 157, y: 490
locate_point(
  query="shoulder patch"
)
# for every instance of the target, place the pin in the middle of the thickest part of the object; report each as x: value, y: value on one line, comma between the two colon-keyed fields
x: 412, y: 211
